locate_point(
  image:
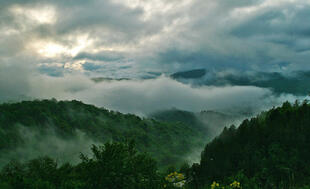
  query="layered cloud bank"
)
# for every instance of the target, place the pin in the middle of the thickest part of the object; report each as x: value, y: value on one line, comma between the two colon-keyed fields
x: 146, y: 96
x: 124, y: 38
x: 143, y: 96
x: 70, y: 41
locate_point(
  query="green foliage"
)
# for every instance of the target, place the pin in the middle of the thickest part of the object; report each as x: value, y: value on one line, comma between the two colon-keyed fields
x: 113, y: 165
x: 118, y: 165
x: 265, y: 152
x: 269, y: 151
x: 167, y: 142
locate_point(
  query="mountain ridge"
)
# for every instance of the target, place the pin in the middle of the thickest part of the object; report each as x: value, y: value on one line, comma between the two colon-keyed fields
x: 65, y: 118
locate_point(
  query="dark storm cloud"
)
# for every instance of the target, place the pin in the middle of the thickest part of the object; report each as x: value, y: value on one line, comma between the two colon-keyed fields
x: 291, y: 21
x: 251, y: 35
x: 287, y: 26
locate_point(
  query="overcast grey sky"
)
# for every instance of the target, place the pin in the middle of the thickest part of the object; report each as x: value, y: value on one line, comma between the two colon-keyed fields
x: 127, y: 37
x: 70, y: 40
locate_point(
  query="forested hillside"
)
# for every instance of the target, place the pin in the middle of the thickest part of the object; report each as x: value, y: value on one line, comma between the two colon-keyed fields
x: 211, y: 122
x: 64, y: 129
x: 112, y: 166
x: 268, y: 151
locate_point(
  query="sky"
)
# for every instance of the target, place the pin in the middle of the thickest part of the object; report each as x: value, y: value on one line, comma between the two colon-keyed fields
x: 48, y: 48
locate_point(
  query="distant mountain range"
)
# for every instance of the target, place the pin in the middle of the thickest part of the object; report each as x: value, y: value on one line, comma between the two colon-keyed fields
x: 267, y: 151
x: 297, y: 83
x: 191, y: 74
x: 64, y: 129
x: 101, y: 79
x: 211, y: 122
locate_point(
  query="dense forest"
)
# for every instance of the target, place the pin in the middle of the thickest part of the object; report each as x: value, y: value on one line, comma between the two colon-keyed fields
x: 268, y: 151
x: 32, y: 128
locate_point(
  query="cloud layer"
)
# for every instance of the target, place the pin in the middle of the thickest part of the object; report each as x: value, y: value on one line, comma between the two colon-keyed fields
x: 144, y: 96
x: 70, y: 41
x: 99, y: 37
